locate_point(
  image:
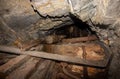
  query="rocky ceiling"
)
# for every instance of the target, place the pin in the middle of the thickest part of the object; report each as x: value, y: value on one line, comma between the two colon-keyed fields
x: 101, y: 15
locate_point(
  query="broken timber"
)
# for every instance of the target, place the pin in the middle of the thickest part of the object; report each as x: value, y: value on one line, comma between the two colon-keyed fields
x: 75, y: 60
x: 23, y: 71
x: 13, y: 63
x: 80, y: 39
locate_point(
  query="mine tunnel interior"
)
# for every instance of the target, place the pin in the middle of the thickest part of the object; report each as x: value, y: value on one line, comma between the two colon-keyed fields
x: 59, y: 39
x: 75, y: 29
x: 53, y: 41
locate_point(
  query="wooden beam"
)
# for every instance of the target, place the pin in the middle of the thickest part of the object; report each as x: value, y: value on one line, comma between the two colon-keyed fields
x: 25, y: 70
x: 42, y: 70
x: 56, y: 57
x: 13, y: 63
x: 80, y: 39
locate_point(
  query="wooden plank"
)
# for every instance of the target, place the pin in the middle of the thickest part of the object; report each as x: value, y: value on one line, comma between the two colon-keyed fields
x: 24, y: 71
x: 57, y: 57
x: 4, y: 58
x: 13, y: 63
x: 50, y: 73
x: 42, y: 70
x: 76, y: 50
x: 80, y: 39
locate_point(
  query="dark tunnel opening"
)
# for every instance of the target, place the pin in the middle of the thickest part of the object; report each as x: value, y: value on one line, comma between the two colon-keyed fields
x: 77, y: 29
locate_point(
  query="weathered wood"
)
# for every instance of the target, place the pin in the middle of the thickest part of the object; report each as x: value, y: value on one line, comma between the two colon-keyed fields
x: 13, y: 64
x: 69, y: 74
x: 4, y: 58
x: 50, y: 73
x: 24, y: 71
x: 57, y: 57
x: 42, y: 70
x: 76, y: 50
x: 80, y: 39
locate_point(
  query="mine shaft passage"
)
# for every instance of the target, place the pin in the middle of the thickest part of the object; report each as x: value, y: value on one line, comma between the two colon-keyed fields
x: 66, y: 51
x: 58, y: 39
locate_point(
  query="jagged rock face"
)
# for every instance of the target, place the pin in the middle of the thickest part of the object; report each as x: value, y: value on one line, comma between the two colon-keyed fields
x: 54, y: 8
x: 102, y: 15
x: 100, y: 11
x: 28, y: 17
x: 20, y: 13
